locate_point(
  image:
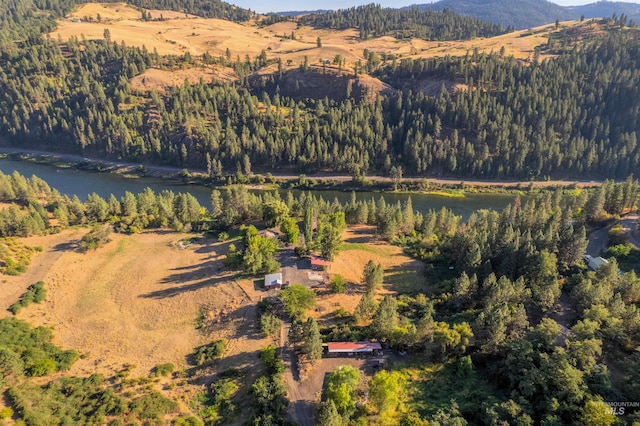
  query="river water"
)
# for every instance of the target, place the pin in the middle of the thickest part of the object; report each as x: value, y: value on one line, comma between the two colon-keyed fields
x: 81, y: 183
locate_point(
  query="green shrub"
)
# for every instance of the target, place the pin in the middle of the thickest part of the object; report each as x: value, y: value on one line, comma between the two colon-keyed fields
x: 98, y: 236
x: 34, y: 294
x: 152, y: 406
x: 297, y: 299
x: 42, y: 367
x: 269, y: 355
x: 207, y: 353
x: 223, y: 236
x: 270, y: 324
x: 6, y: 413
x: 338, y: 284
x: 66, y: 359
x: 164, y: 369
x: 187, y: 421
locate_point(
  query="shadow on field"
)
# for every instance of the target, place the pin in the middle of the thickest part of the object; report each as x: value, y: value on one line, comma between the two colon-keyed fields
x: 73, y: 245
x: 404, y: 279
x: 245, y: 366
x: 197, y: 276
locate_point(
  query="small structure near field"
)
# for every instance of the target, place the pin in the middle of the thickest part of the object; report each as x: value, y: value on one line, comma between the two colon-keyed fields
x: 595, y: 262
x: 319, y: 263
x: 272, y: 281
x: 353, y: 348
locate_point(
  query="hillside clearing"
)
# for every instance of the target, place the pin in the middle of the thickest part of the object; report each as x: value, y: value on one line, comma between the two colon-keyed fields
x: 178, y: 33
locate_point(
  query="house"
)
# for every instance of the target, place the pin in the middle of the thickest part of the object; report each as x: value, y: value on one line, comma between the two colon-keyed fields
x: 319, y: 263
x: 273, y: 281
x: 353, y: 348
x: 595, y: 262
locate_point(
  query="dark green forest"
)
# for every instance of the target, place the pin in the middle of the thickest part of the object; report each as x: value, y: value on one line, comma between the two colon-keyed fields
x: 374, y: 21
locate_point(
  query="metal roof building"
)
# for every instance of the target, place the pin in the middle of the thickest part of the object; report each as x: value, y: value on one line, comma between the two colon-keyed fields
x: 273, y: 281
x: 353, y: 347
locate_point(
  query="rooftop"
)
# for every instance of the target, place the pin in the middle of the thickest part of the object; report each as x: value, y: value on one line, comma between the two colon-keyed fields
x: 353, y: 346
x: 319, y: 261
x: 273, y: 279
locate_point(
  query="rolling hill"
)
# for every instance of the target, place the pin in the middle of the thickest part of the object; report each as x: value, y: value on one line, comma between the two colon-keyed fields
x: 531, y: 13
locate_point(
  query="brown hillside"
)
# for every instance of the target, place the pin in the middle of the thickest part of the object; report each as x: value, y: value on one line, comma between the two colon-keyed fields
x: 161, y: 80
x: 318, y: 82
x: 178, y: 33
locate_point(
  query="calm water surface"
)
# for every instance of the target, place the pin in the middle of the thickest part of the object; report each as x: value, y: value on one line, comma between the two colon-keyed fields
x: 80, y: 183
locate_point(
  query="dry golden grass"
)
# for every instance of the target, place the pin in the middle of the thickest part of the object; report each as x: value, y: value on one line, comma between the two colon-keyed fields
x: 179, y: 33
x: 154, y: 78
x: 133, y: 301
x: 402, y: 273
x: 117, y: 11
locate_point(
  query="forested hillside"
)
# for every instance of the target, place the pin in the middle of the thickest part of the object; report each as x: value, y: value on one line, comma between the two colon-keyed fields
x: 608, y: 8
x: 531, y: 13
x: 572, y: 116
x: 375, y: 21
x: 512, y: 13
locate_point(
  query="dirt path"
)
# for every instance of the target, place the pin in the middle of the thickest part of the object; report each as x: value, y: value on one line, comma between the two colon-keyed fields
x: 630, y: 223
x: 166, y: 171
x: 598, y: 240
x: 300, y: 409
x: 563, y: 314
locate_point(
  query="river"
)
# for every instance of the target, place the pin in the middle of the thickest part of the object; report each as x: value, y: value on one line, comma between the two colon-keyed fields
x: 82, y: 183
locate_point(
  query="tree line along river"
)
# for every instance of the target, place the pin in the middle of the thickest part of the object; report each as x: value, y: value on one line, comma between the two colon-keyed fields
x: 82, y: 183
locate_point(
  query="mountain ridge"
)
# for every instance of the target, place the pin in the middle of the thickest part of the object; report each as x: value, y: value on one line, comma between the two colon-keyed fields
x: 518, y: 14
x: 521, y: 14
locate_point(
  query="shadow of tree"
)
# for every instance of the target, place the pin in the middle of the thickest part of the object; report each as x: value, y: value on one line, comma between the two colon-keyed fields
x: 405, y: 279
x: 190, y: 278
x: 73, y: 245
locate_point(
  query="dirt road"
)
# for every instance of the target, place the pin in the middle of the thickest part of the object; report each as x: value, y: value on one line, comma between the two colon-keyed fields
x: 301, y: 409
x: 630, y: 223
x: 598, y: 240
x: 167, y: 171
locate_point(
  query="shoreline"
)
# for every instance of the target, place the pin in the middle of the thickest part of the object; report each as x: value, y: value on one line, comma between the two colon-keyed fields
x: 321, y: 180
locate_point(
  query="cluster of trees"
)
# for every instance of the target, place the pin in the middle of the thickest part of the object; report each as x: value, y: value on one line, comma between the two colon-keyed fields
x: 345, y: 387
x: 33, y: 202
x: 257, y: 254
x: 269, y: 392
x: 577, y: 108
x: 26, y: 351
x: 375, y: 21
x: 305, y: 337
x: 88, y: 400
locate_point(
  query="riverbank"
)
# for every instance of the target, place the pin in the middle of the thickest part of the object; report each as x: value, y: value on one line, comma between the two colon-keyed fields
x: 318, y: 181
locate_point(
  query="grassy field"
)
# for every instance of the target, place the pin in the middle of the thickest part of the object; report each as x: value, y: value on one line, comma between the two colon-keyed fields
x: 133, y: 301
x: 179, y: 33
